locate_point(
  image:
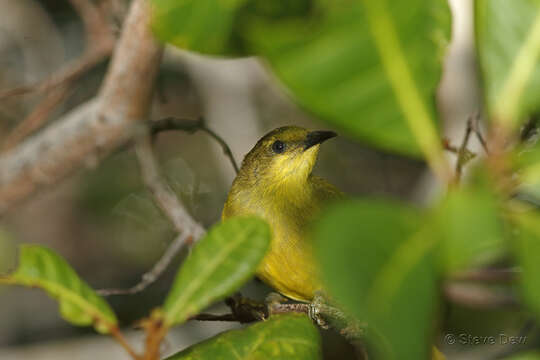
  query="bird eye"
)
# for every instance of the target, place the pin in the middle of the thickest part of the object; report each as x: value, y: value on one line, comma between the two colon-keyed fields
x: 278, y: 147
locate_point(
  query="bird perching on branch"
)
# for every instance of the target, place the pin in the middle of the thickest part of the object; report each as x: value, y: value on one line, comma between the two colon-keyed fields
x: 276, y: 183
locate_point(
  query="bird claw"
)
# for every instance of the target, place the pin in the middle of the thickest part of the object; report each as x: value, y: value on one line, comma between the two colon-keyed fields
x: 314, y: 311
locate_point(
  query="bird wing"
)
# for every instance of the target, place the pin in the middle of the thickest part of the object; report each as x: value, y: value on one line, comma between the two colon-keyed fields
x: 324, y: 191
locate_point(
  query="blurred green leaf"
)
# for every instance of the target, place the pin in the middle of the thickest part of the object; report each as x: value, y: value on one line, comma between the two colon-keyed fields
x: 203, y: 26
x: 508, y: 42
x: 469, y: 224
x: 378, y: 264
x: 218, y: 265
x: 370, y: 68
x: 527, y: 250
x: 291, y: 336
x: 79, y: 304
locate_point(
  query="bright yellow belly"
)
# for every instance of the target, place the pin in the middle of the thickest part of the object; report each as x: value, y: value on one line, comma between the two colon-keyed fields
x: 289, y: 267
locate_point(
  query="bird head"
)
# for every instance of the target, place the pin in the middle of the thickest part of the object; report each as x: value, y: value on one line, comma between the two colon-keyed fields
x: 283, y: 155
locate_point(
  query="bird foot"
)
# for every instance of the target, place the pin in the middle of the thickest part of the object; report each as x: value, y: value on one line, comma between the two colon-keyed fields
x: 314, y: 310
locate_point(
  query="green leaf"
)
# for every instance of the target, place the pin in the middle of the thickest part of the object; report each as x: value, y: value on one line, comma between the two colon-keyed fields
x: 291, y: 336
x: 508, y: 42
x: 79, y: 304
x: 203, y: 26
x: 527, y: 250
x: 378, y: 264
x: 218, y: 265
x: 469, y: 225
x: 367, y: 67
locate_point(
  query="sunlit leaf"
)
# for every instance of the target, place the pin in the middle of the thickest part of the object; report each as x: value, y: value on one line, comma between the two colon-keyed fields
x: 280, y: 337
x: 218, y: 265
x: 379, y: 264
x: 508, y: 43
x: 79, y: 304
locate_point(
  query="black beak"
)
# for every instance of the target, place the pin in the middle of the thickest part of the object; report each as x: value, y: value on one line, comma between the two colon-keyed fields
x: 317, y: 137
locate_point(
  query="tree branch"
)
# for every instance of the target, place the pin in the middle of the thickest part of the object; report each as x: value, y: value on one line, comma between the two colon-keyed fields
x: 100, y: 42
x: 245, y: 310
x: 95, y: 128
x: 188, y: 229
x: 37, y: 117
x: 164, y: 196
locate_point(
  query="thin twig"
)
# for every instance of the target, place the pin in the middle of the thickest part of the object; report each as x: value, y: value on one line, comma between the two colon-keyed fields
x: 477, y: 131
x: 192, y: 126
x: 463, y: 153
x: 245, y: 316
x: 119, y: 337
x: 224, y: 146
x: 449, y: 147
x: 231, y: 317
x: 164, y: 196
x: 153, y: 274
x: 188, y: 229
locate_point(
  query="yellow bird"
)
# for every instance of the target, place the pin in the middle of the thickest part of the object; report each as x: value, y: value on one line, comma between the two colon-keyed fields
x: 275, y: 182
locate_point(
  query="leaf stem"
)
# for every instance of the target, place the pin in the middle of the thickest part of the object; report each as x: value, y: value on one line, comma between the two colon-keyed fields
x: 119, y: 337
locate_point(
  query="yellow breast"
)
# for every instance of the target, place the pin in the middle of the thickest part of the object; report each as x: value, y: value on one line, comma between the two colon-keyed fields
x: 289, y: 267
